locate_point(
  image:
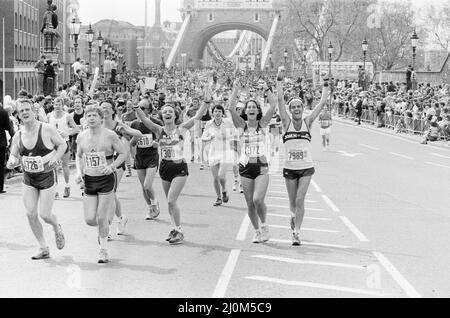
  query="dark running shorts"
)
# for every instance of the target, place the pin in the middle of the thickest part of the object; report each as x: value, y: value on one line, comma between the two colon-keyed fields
x: 253, y: 170
x: 298, y: 174
x: 170, y: 170
x: 102, y: 185
x: 142, y: 163
x: 40, y: 181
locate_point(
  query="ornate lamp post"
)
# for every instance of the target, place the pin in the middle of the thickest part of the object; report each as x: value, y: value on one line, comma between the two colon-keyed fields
x: 75, y: 27
x: 414, y: 39
x: 106, y: 46
x: 330, y: 54
x: 100, y: 48
x: 90, y: 35
x: 305, y: 53
x: 365, y: 47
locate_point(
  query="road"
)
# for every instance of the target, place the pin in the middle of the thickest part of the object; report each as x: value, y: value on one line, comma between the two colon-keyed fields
x: 376, y: 225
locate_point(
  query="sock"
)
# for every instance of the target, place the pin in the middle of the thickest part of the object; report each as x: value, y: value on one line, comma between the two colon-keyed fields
x: 67, y: 185
x: 179, y: 229
x: 153, y: 202
x: 263, y: 225
x: 104, y: 243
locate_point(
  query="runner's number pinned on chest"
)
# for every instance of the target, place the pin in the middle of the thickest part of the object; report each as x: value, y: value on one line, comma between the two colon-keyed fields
x: 145, y: 142
x: 33, y: 164
x: 95, y: 160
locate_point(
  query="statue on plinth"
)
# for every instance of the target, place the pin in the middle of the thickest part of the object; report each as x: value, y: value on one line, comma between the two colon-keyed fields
x: 49, y: 28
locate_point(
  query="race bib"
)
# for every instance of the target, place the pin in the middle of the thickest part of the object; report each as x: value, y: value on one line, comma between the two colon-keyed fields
x: 296, y: 154
x: 168, y: 153
x: 325, y: 123
x: 145, y: 142
x: 255, y: 150
x: 33, y: 164
x: 95, y: 160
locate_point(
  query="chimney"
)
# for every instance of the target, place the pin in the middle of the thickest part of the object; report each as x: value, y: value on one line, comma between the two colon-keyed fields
x: 157, y: 12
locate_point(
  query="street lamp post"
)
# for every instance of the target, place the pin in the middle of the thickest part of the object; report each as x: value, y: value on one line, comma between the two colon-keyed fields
x: 100, y: 48
x: 305, y: 53
x: 414, y: 39
x: 285, y: 58
x: 183, y: 63
x: 106, y: 46
x: 90, y: 35
x: 75, y: 32
x: 330, y: 54
x: 365, y: 47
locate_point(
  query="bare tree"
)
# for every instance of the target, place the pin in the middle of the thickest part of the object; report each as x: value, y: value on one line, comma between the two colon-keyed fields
x: 437, y: 24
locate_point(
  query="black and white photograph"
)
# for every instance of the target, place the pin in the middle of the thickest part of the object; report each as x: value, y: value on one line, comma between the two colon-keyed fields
x: 239, y: 151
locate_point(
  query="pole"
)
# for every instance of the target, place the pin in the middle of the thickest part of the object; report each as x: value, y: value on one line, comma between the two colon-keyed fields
x: 329, y: 82
x: 100, y: 60
x: 364, y: 72
x: 90, y: 58
x: 145, y: 35
x: 3, y: 60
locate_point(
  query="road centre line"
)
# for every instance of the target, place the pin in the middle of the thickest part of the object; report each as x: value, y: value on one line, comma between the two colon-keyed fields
x: 311, y: 244
x: 288, y: 217
x: 242, y: 234
x: 316, y: 285
x: 439, y: 155
x: 354, y: 229
x: 303, y: 229
x: 369, y: 147
x: 330, y: 203
x: 401, y: 156
x: 437, y: 165
x: 299, y: 261
x: 390, y: 268
x: 318, y: 189
x: 225, y: 277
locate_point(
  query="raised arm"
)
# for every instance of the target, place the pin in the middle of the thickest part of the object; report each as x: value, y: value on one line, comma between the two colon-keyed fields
x: 285, y: 119
x: 273, y: 105
x: 201, y: 112
x: 318, y: 109
x: 155, y: 128
x: 237, y: 119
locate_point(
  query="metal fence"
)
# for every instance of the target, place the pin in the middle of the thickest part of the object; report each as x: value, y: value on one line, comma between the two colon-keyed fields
x: 399, y: 123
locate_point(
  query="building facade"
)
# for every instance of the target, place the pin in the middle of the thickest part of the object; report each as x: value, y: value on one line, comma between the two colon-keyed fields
x: 23, y: 23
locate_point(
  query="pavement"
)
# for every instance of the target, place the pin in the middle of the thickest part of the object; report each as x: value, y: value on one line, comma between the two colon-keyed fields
x: 377, y: 219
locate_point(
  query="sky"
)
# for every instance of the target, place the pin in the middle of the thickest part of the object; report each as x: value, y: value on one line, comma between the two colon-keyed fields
x: 132, y: 11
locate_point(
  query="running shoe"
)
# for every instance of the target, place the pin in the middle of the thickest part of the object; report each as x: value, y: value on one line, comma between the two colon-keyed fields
x: 235, y: 185
x: 192, y: 160
x: 121, y: 225
x: 44, y: 253
x: 66, y: 192
x: 225, y: 197
x: 265, y: 235
x: 218, y: 202
x: 59, y: 238
x: 292, y: 223
x: 103, y: 257
x: 202, y: 167
x: 155, y: 210
x: 56, y: 196
x: 109, y: 234
x: 171, y: 235
x: 149, y: 213
x: 257, y: 238
x: 177, y: 238
x: 241, y: 189
x: 296, y: 239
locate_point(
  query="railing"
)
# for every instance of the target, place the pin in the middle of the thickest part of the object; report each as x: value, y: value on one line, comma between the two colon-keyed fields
x: 398, y: 123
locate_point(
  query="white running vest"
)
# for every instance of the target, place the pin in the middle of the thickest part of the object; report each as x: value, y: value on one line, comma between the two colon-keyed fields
x: 297, y: 147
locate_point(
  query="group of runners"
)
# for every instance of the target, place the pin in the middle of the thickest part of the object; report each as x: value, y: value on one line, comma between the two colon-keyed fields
x: 231, y: 134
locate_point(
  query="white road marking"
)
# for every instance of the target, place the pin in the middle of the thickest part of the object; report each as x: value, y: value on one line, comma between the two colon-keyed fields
x: 369, y: 147
x: 404, y: 284
x: 351, y: 155
x: 402, y: 156
x: 437, y: 165
x: 288, y: 217
x: 311, y: 244
x: 316, y: 285
x: 330, y: 203
x: 225, y: 277
x: 440, y: 156
x: 354, y: 229
x: 286, y: 207
x: 287, y: 199
x: 303, y: 229
x: 318, y: 189
x: 299, y: 261
x: 285, y: 192
x: 243, y: 230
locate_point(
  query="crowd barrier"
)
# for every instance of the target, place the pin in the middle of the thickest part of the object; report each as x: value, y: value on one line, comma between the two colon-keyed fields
x: 399, y: 123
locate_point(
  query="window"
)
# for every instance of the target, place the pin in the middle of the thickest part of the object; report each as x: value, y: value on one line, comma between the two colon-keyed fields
x: 256, y: 17
x: 16, y: 21
x: 210, y: 17
x: 20, y: 54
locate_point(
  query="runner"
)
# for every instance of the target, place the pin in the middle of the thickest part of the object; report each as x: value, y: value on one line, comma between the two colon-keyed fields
x: 174, y: 169
x: 325, y: 121
x: 66, y: 127
x: 127, y: 118
x: 275, y: 131
x: 298, y: 165
x: 97, y: 168
x: 147, y: 159
x: 121, y: 130
x: 254, y: 167
x: 34, y: 146
x: 219, y: 132
x: 77, y: 116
